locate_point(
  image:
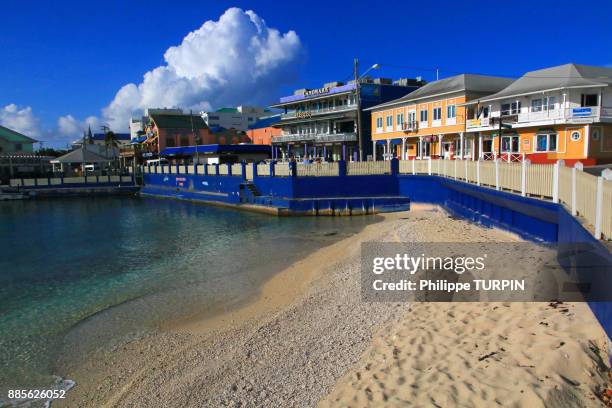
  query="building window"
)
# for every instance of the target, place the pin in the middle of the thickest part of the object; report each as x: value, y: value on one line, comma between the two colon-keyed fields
x: 170, y: 142
x: 424, y: 115
x: 379, y: 123
x: 18, y: 146
x: 451, y: 111
x: 575, y: 136
x: 546, y: 142
x: 184, y: 140
x: 389, y: 121
x: 543, y: 104
x: 536, y: 105
x: 437, y: 113
x: 588, y: 100
x: 400, y: 120
x: 510, y: 108
x: 510, y: 144
x: 411, y: 117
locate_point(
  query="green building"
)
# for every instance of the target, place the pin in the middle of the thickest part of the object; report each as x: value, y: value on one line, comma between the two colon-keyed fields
x: 15, y: 142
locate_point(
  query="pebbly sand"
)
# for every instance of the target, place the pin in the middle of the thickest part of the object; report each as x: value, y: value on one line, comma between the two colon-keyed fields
x: 309, y: 340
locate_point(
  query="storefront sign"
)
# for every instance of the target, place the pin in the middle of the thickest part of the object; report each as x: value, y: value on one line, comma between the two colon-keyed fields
x: 314, y: 92
x: 303, y: 114
x: 581, y: 112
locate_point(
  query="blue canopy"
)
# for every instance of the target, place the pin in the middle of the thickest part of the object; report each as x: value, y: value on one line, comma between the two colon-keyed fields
x: 392, y: 141
x: 138, y: 140
x: 215, y: 148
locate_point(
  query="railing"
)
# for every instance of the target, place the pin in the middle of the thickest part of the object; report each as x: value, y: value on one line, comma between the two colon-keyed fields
x: 315, y: 112
x: 368, y: 167
x: 263, y: 169
x: 570, y: 114
x: 236, y: 169
x: 316, y: 137
x: 69, y: 181
x: 577, y: 190
x: 318, y: 169
x: 281, y: 169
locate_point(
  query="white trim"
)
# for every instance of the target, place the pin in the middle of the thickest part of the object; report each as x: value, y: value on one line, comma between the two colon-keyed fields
x: 587, y: 136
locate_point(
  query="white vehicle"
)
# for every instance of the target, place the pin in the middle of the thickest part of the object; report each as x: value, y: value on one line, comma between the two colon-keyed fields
x: 90, y: 168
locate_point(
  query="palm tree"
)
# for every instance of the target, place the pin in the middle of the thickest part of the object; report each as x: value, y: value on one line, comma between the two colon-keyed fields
x: 110, y: 140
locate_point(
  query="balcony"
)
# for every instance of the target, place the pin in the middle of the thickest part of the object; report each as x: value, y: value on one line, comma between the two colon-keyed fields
x: 476, y: 123
x: 587, y: 114
x: 411, y: 126
x: 316, y: 138
x: 316, y: 112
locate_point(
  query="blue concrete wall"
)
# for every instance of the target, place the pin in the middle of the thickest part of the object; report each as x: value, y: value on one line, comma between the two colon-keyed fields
x: 532, y: 219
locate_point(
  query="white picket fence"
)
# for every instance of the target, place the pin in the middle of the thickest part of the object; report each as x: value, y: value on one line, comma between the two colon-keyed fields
x: 583, y: 194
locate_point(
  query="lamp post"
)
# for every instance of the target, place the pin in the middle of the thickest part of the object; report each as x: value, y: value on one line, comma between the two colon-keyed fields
x: 358, y: 96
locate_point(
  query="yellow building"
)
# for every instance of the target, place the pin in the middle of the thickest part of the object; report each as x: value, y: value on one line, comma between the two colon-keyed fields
x: 431, y: 121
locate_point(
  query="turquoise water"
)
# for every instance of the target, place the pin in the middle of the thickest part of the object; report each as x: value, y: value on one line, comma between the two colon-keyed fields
x: 78, y: 274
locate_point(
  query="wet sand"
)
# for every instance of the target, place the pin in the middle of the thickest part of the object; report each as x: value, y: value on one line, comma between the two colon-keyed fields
x: 308, y: 339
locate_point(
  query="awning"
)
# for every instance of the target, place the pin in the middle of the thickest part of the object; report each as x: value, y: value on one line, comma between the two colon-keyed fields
x: 392, y: 141
x: 138, y: 140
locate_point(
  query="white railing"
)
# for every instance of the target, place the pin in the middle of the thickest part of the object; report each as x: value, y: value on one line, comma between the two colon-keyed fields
x: 318, y: 137
x: 315, y: 112
x: 565, y: 114
x: 317, y: 169
x: 58, y: 181
x: 368, y: 167
x: 236, y: 169
x: 573, y: 188
x: 263, y: 169
x: 281, y: 169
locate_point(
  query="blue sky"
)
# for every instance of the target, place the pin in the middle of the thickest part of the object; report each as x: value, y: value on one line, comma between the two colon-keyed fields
x: 71, y: 57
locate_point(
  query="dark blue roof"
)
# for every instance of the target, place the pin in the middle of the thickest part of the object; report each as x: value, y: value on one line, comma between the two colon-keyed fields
x: 119, y: 136
x: 215, y: 148
x: 216, y: 129
x: 265, y: 122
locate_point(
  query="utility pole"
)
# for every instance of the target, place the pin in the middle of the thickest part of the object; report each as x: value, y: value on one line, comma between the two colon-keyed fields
x: 358, y: 96
x: 194, y: 137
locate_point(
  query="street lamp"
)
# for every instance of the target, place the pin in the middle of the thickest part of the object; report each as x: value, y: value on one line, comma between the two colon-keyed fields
x: 358, y: 94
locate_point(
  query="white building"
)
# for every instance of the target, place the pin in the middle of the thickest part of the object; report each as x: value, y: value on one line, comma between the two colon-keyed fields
x: 239, y: 118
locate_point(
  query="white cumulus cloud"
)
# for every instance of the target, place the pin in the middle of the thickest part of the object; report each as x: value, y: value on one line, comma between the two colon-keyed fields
x: 21, y: 120
x: 70, y: 126
x: 237, y: 59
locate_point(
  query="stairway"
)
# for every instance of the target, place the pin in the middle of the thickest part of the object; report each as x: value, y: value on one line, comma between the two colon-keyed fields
x: 253, y: 189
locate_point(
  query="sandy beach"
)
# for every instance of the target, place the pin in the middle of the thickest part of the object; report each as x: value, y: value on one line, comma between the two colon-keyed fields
x: 309, y: 340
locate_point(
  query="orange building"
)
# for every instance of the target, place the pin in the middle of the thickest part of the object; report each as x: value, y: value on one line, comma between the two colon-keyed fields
x: 174, y: 130
x: 262, y: 131
x: 563, y: 112
x: 430, y: 122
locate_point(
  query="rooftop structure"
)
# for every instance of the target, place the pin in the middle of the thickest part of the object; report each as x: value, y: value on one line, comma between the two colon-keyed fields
x: 239, y: 118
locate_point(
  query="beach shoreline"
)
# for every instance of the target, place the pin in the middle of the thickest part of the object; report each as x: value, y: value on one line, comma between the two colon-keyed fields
x: 297, y: 343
